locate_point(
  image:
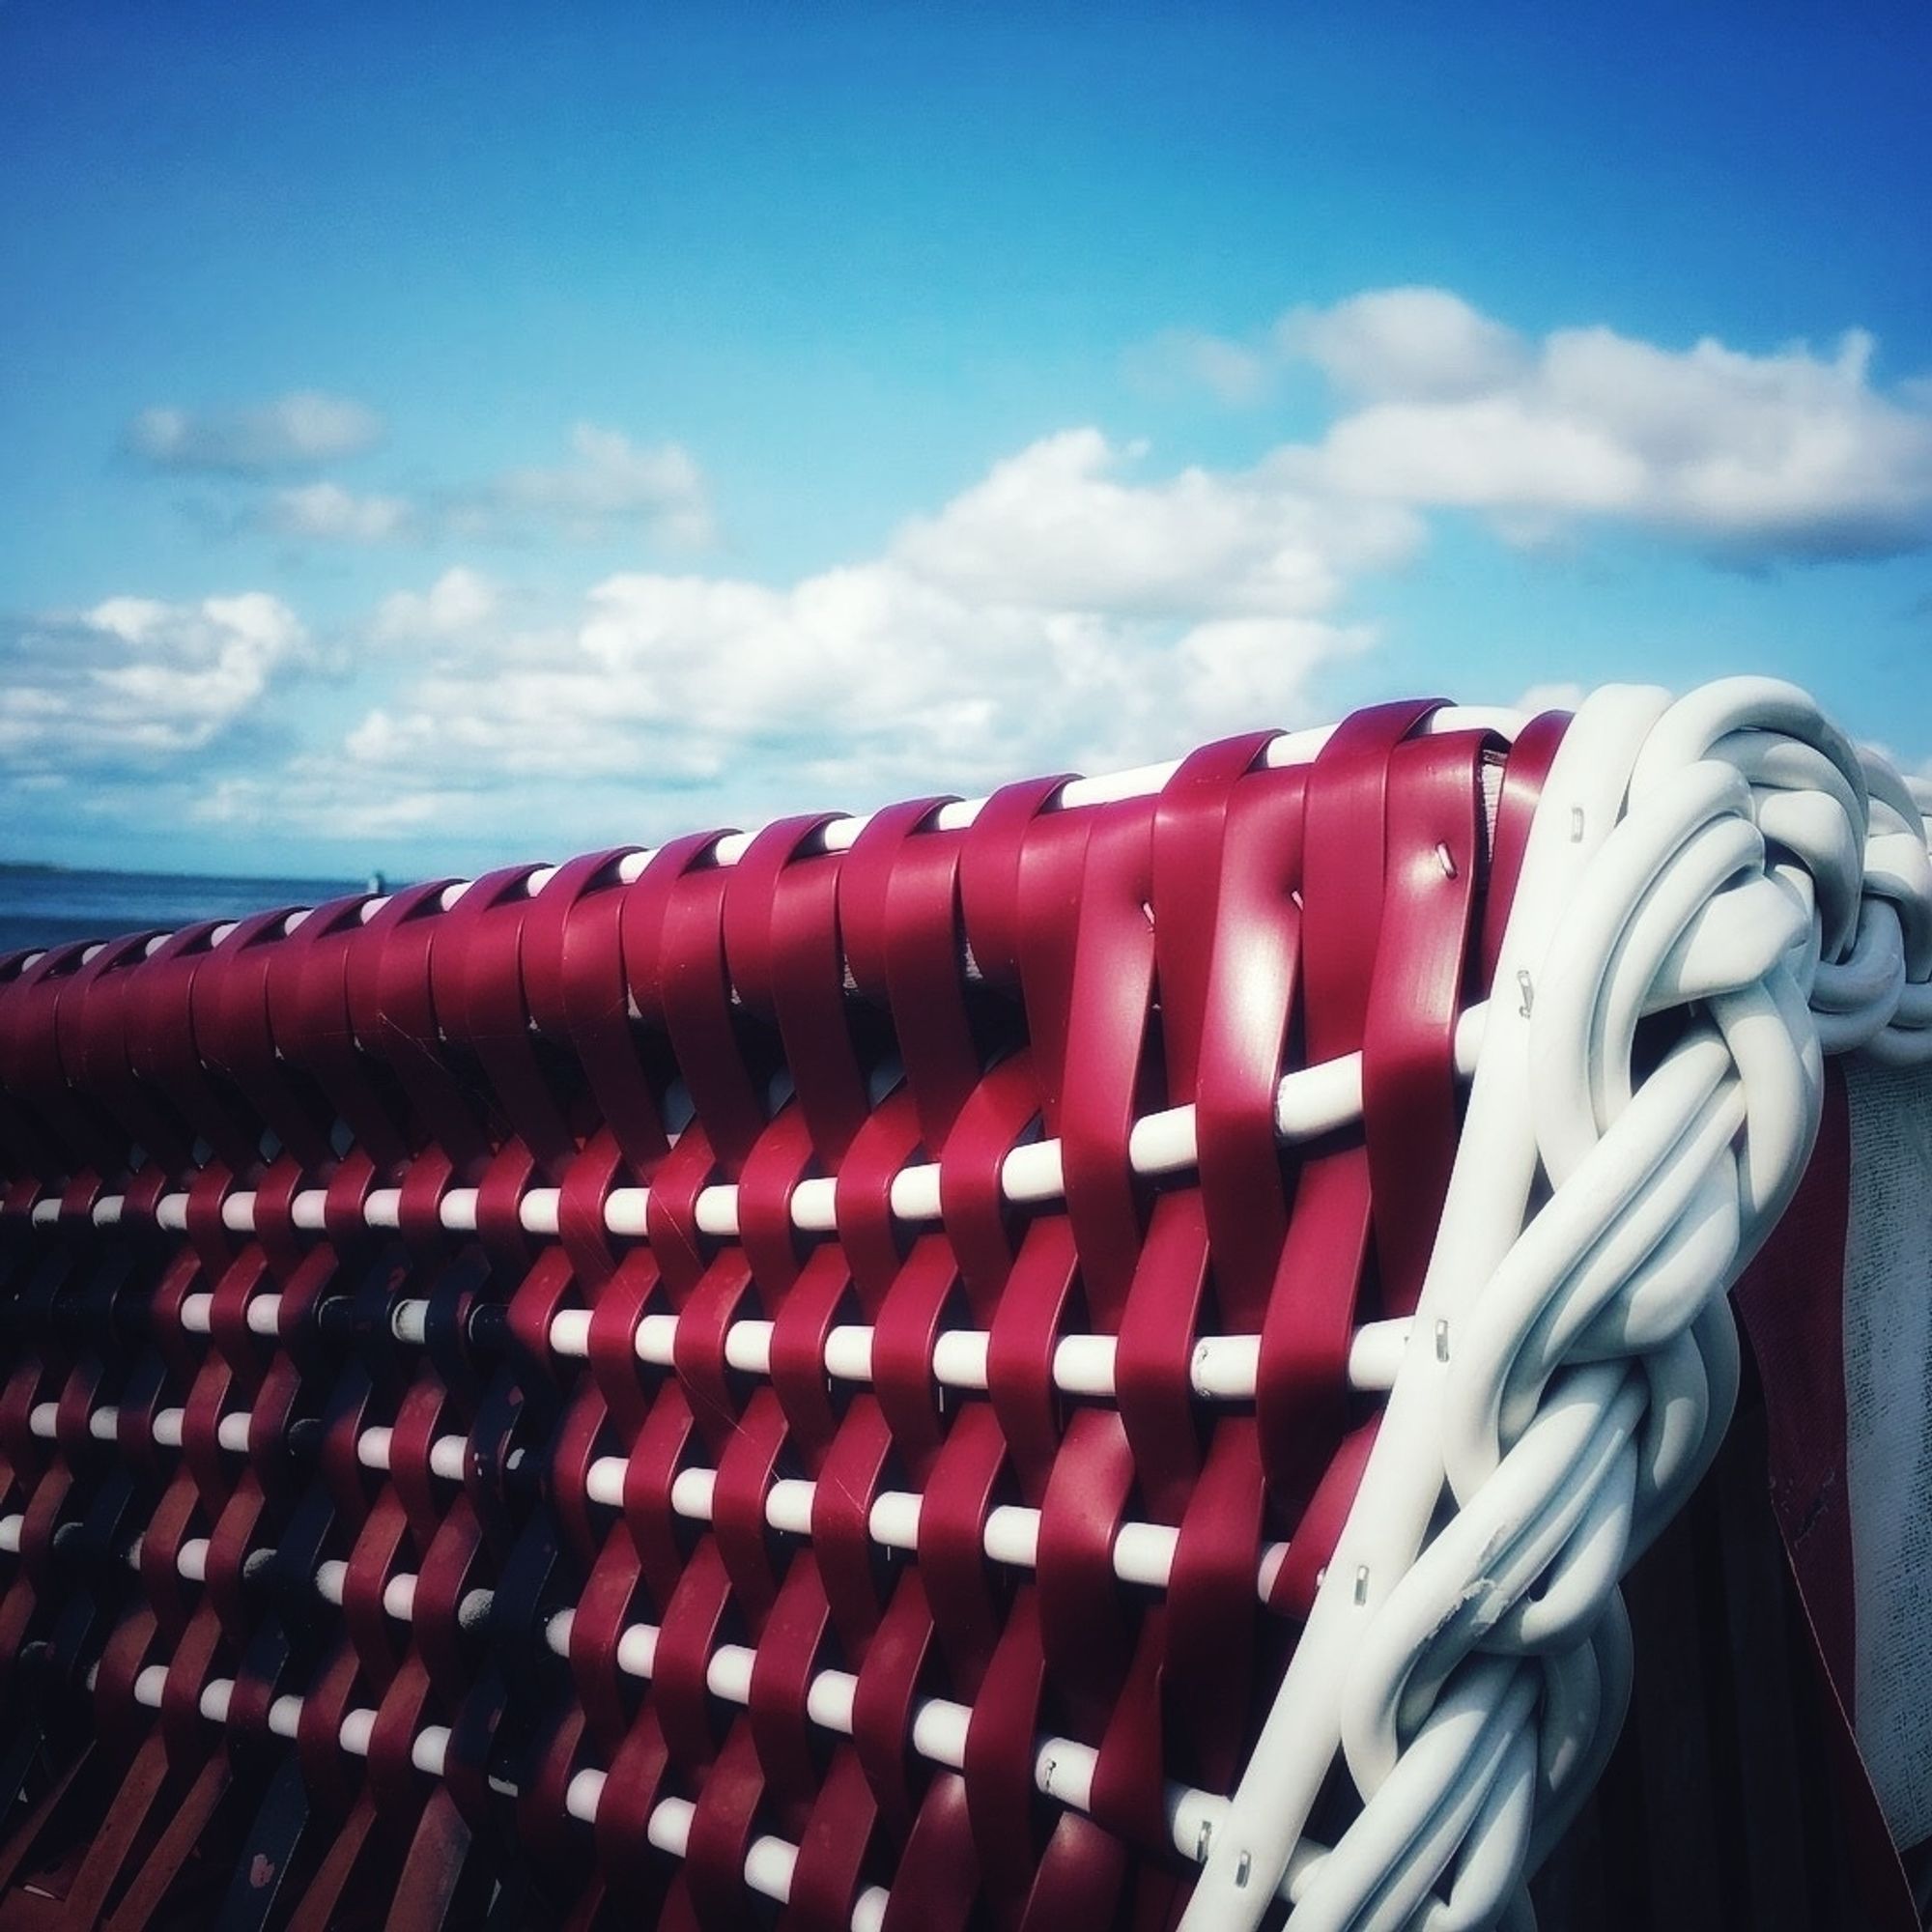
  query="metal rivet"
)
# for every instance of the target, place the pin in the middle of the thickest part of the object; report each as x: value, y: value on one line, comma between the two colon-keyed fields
x: 1244, y: 1869
x: 1527, y: 991
x: 1362, y: 1585
x: 1443, y: 1341
x: 1446, y: 859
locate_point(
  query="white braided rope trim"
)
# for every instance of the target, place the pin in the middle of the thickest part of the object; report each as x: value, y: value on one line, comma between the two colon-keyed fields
x: 1730, y: 857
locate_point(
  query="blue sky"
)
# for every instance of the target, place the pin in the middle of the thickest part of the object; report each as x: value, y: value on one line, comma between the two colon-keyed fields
x: 441, y: 435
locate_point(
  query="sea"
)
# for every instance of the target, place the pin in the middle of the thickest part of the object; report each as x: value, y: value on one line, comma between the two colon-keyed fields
x: 42, y: 906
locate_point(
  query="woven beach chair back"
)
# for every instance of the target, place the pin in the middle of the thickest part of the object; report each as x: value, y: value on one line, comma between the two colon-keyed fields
x: 842, y: 1376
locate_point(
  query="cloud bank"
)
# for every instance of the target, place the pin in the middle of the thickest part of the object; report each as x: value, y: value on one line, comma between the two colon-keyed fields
x: 134, y: 681
x: 608, y: 487
x: 1078, y: 604
x: 328, y: 513
x: 1062, y: 607
x: 298, y: 431
x: 1750, y: 458
x: 607, y: 484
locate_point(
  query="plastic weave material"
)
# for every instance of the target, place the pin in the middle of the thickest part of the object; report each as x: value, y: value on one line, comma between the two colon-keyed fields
x: 337, y: 1584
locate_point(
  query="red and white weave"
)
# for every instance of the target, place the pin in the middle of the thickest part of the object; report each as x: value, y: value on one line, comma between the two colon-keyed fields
x: 834, y: 1370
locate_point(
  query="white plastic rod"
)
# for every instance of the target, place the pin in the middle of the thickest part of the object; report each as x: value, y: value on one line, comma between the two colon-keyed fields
x: 1062, y: 1767
x: 331, y: 1577
x: 1310, y: 1102
x: 1143, y: 1551
x: 1223, y: 1368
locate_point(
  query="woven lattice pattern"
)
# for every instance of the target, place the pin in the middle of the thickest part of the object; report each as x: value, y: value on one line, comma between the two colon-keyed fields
x: 818, y: 1372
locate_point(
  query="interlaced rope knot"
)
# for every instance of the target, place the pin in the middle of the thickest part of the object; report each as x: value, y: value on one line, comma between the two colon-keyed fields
x: 1717, y: 892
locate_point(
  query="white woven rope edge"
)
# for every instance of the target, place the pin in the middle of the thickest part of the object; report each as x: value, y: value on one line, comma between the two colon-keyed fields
x: 1467, y: 1655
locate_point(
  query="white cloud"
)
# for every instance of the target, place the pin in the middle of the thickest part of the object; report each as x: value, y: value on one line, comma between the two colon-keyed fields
x: 308, y: 797
x: 608, y: 485
x: 609, y: 488
x: 292, y: 432
x: 1063, y: 608
x: 1753, y: 456
x: 328, y: 513
x: 1761, y: 456
x: 1058, y: 527
x: 458, y: 601
x: 1413, y: 343
x: 1185, y: 359
x: 137, y: 680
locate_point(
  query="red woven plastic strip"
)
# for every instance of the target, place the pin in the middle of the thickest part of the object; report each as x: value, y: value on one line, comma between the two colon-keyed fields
x: 584, y: 1400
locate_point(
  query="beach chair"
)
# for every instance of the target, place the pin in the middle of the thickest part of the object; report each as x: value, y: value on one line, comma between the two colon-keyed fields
x: 1090, y: 1358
